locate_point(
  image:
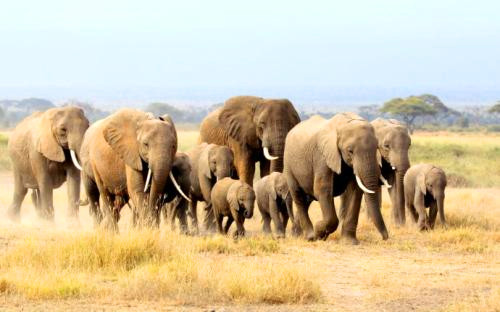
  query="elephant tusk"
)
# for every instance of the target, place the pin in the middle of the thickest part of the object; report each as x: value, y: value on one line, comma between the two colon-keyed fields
x: 268, y: 156
x: 148, y: 179
x: 178, y: 187
x: 385, y: 182
x: 75, y: 161
x: 393, y: 168
x: 362, y: 187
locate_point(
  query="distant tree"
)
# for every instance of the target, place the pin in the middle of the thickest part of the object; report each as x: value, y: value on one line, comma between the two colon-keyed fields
x: 159, y: 108
x: 369, y: 112
x: 91, y: 112
x: 495, y: 108
x: 408, y: 109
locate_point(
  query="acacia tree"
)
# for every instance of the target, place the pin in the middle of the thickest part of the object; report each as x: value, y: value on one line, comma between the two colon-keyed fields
x: 408, y: 109
x: 495, y: 108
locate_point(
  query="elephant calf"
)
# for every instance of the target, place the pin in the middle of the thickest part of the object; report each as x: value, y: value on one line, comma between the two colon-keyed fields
x: 233, y: 199
x: 274, y: 202
x: 424, y: 186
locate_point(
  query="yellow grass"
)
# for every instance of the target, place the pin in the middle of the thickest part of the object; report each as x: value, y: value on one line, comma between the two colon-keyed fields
x: 61, y: 266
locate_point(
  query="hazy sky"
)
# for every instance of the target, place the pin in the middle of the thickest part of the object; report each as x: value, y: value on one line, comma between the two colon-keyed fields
x: 249, y: 43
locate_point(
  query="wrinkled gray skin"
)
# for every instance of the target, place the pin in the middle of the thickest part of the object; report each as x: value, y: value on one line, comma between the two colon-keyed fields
x: 393, y: 144
x: 274, y: 202
x: 39, y: 148
x: 233, y: 199
x: 210, y: 162
x: 322, y: 160
x: 248, y: 124
x: 117, y: 153
x: 174, y: 205
x: 424, y: 186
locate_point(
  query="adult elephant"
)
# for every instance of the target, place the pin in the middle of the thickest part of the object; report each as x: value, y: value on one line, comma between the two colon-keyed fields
x: 210, y: 163
x: 393, y: 144
x: 327, y: 158
x: 123, y: 155
x: 255, y: 129
x: 44, y: 148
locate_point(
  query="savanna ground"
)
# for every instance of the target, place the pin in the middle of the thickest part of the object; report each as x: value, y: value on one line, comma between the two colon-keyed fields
x: 67, y: 267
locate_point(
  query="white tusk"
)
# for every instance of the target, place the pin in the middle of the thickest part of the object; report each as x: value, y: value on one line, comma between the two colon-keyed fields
x: 385, y: 182
x: 75, y: 161
x: 178, y: 187
x: 362, y: 187
x: 148, y: 179
x: 393, y: 168
x: 267, y: 155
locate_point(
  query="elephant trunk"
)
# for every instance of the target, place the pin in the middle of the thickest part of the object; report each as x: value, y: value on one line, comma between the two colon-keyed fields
x: 223, y: 172
x: 274, y: 146
x: 399, y: 200
x: 249, y: 205
x: 160, y: 171
x: 368, y: 171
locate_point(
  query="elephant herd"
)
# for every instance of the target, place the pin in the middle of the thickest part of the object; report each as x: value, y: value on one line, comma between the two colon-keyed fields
x: 131, y: 158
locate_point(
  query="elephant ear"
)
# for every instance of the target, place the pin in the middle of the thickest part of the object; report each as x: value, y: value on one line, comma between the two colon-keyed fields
x: 421, y: 183
x: 46, y: 143
x: 328, y: 145
x: 236, y: 117
x: 204, y: 161
x: 232, y: 196
x: 121, y: 134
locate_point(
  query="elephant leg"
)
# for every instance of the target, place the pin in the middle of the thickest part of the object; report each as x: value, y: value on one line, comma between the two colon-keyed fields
x: 208, y: 217
x: 302, y: 202
x: 193, y: 214
x: 350, y: 206
x: 93, y: 198
x: 323, y: 190
x: 409, y: 206
x: 266, y: 222
x: 46, y: 195
x: 73, y: 182
x: 17, y: 200
x: 180, y: 211
x: 278, y: 223
x: 228, y: 224
x: 240, y: 229
x: 441, y: 215
x: 35, y: 199
x: 265, y: 167
x: 432, y: 214
x: 109, y: 222
x: 284, y: 218
x: 418, y: 203
x: 244, y: 163
x: 218, y: 220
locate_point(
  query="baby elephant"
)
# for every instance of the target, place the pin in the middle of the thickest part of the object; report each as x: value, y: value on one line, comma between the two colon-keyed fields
x: 424, y: 186
x: 233, y: 199
x: 274, y: 202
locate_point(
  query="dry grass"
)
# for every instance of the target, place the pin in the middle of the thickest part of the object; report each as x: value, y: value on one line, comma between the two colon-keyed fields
x: 60, y: 267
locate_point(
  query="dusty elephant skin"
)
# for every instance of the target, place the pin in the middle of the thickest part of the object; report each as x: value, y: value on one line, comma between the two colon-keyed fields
x: 255, y: 129
x: 327, y: 158
x: 210, y: 163
x: 233, y: 199
x: 393, y: 144
x: 44, y: 149
x: 121, y: 154
x: 424, y: 186
x: 274, y: 203
x: 175, y: 205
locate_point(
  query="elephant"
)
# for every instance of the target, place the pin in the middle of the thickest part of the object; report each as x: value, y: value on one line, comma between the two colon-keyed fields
x: 393, y: 144
x: 274, y: 202
x: 233, y: 199
x: 174, y: 204
x: 424, y: 186
x: 44, y: 149
x: 255, y: 129
x: 327, y: 158
x: 129, y: 156
x: 210, y: 162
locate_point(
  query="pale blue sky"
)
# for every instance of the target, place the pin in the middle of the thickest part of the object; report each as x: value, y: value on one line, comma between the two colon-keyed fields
x: 97, y: 43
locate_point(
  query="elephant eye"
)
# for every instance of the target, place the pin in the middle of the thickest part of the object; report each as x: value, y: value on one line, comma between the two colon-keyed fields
x: 145, y: 144
x: 62, y: 131
x: 387, y: 146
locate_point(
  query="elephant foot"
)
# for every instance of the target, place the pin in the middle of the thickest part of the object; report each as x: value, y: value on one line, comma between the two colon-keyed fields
x: 296, y: 231
x: 385, y: 235
x: 350, y: 239
x: 110, y: 225
x: 310, y: 236
x: 238, y: 234
x: 14, y: 216
x: 324, y: 229
x: 280, y: 235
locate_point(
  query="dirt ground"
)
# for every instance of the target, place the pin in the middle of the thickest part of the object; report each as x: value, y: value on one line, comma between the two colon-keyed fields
x: 454, y: 269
